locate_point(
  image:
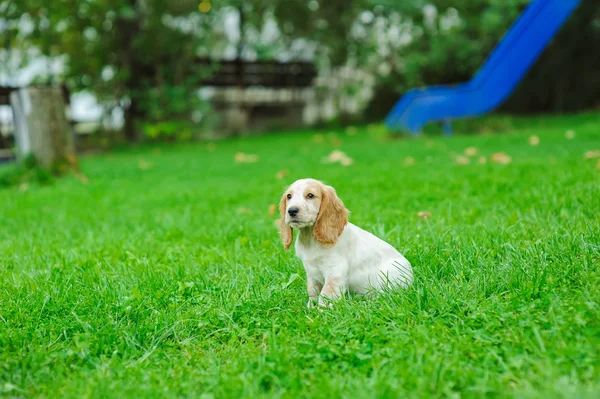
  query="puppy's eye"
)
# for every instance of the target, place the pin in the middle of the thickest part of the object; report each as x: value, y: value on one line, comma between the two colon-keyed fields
x: 289, y: 196
x: 310, y: 195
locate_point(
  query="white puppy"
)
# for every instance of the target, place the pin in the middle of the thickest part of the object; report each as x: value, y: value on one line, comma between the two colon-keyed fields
x: 337, y: 255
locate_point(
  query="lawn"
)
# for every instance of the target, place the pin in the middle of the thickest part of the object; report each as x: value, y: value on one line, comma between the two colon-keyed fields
x: 163, y: 276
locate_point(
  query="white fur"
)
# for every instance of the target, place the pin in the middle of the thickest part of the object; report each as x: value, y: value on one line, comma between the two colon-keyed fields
x: 358, y: 261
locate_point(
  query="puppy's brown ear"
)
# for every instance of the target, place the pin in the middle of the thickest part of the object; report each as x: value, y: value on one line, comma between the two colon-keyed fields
x: 332, y: 217
x: 284, y: 230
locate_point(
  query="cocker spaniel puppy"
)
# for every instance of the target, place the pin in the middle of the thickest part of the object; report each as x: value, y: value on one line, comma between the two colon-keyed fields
x: 337, y: 255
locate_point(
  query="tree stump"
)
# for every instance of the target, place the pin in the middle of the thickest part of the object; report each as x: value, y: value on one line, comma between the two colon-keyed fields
x: 42, y: 128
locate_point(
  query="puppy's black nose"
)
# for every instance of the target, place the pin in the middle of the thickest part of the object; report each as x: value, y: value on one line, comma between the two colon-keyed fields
x: 293, y: 211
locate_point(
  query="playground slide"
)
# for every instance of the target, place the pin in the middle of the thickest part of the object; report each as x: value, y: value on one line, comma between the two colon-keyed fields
x: 495, y: 80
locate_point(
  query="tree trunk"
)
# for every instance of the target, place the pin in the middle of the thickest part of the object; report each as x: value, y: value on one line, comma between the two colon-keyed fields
x: 130, y: 61
x: 132, y: 117
x: 42, y: 128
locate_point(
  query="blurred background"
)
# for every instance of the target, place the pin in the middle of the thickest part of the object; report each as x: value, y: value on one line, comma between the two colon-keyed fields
x: 134, y: 70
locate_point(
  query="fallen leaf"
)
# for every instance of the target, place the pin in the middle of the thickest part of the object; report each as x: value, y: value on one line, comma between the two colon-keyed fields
x: 409, y: 161
x: 83, y: 178
x: 211, y: 147
x: 335, y: 141
x: 346, y: 162
x: 282, y: 173
x: 338, y: 156
x: 240, y: 157
x: 244, y: 211
x: 318, y: 138
x: 272, y: 209
x: 482, y: 160
x: 501, y: 158
x: 591, y: 154
x: 460, y: 160
x: 470, y: 151
x: 570, y: 134
x: 424, y: 215
x: 144, y: 165
x: 351, y: 131
x: 534, y: 140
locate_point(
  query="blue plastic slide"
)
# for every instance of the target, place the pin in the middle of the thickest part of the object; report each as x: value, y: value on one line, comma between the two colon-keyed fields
x: 494, y: 81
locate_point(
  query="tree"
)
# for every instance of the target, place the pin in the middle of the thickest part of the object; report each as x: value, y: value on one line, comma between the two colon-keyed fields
x: 134, y: 54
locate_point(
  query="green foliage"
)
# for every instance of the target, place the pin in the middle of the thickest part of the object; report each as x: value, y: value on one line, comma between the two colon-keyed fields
x: 454, y: 38
x: 570, y: 63
x: 128, y: 53
x: 171, y: 130
x: 28, y: 171
x: 451, y: 39
x: 139, y: 55
x: 169, y: 280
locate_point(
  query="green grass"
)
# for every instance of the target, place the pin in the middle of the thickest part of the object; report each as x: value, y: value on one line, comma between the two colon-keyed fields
x: 169, y: 280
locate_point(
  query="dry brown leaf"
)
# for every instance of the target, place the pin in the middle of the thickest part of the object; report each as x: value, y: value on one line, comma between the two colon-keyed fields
x: 282, y: 173
x: 318, y: 138
x: 144, y: 165
x: 409, y: 161
x: 351, y: 131
x: 244, y: 211
x: 501, y: 158
x: 482, y: 160
x: 460, y: 160
x: 335, y: 141
x: 570, y: 134
x: 272, y: 209
x: 471, y: 151
x: 424, y: 214
x: 335, y: 156
x: 346, y: 162
x: 591, y: 154
x: 338, y: 156
x: 240, y: 157
x: 83, y: 178
x: 534, y: 140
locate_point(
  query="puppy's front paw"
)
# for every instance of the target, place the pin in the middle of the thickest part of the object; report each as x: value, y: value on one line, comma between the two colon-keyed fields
x: 325, y: 304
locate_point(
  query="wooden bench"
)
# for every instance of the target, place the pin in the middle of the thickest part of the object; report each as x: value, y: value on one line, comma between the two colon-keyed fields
x: 247, y: 95
x: 256, y: 95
